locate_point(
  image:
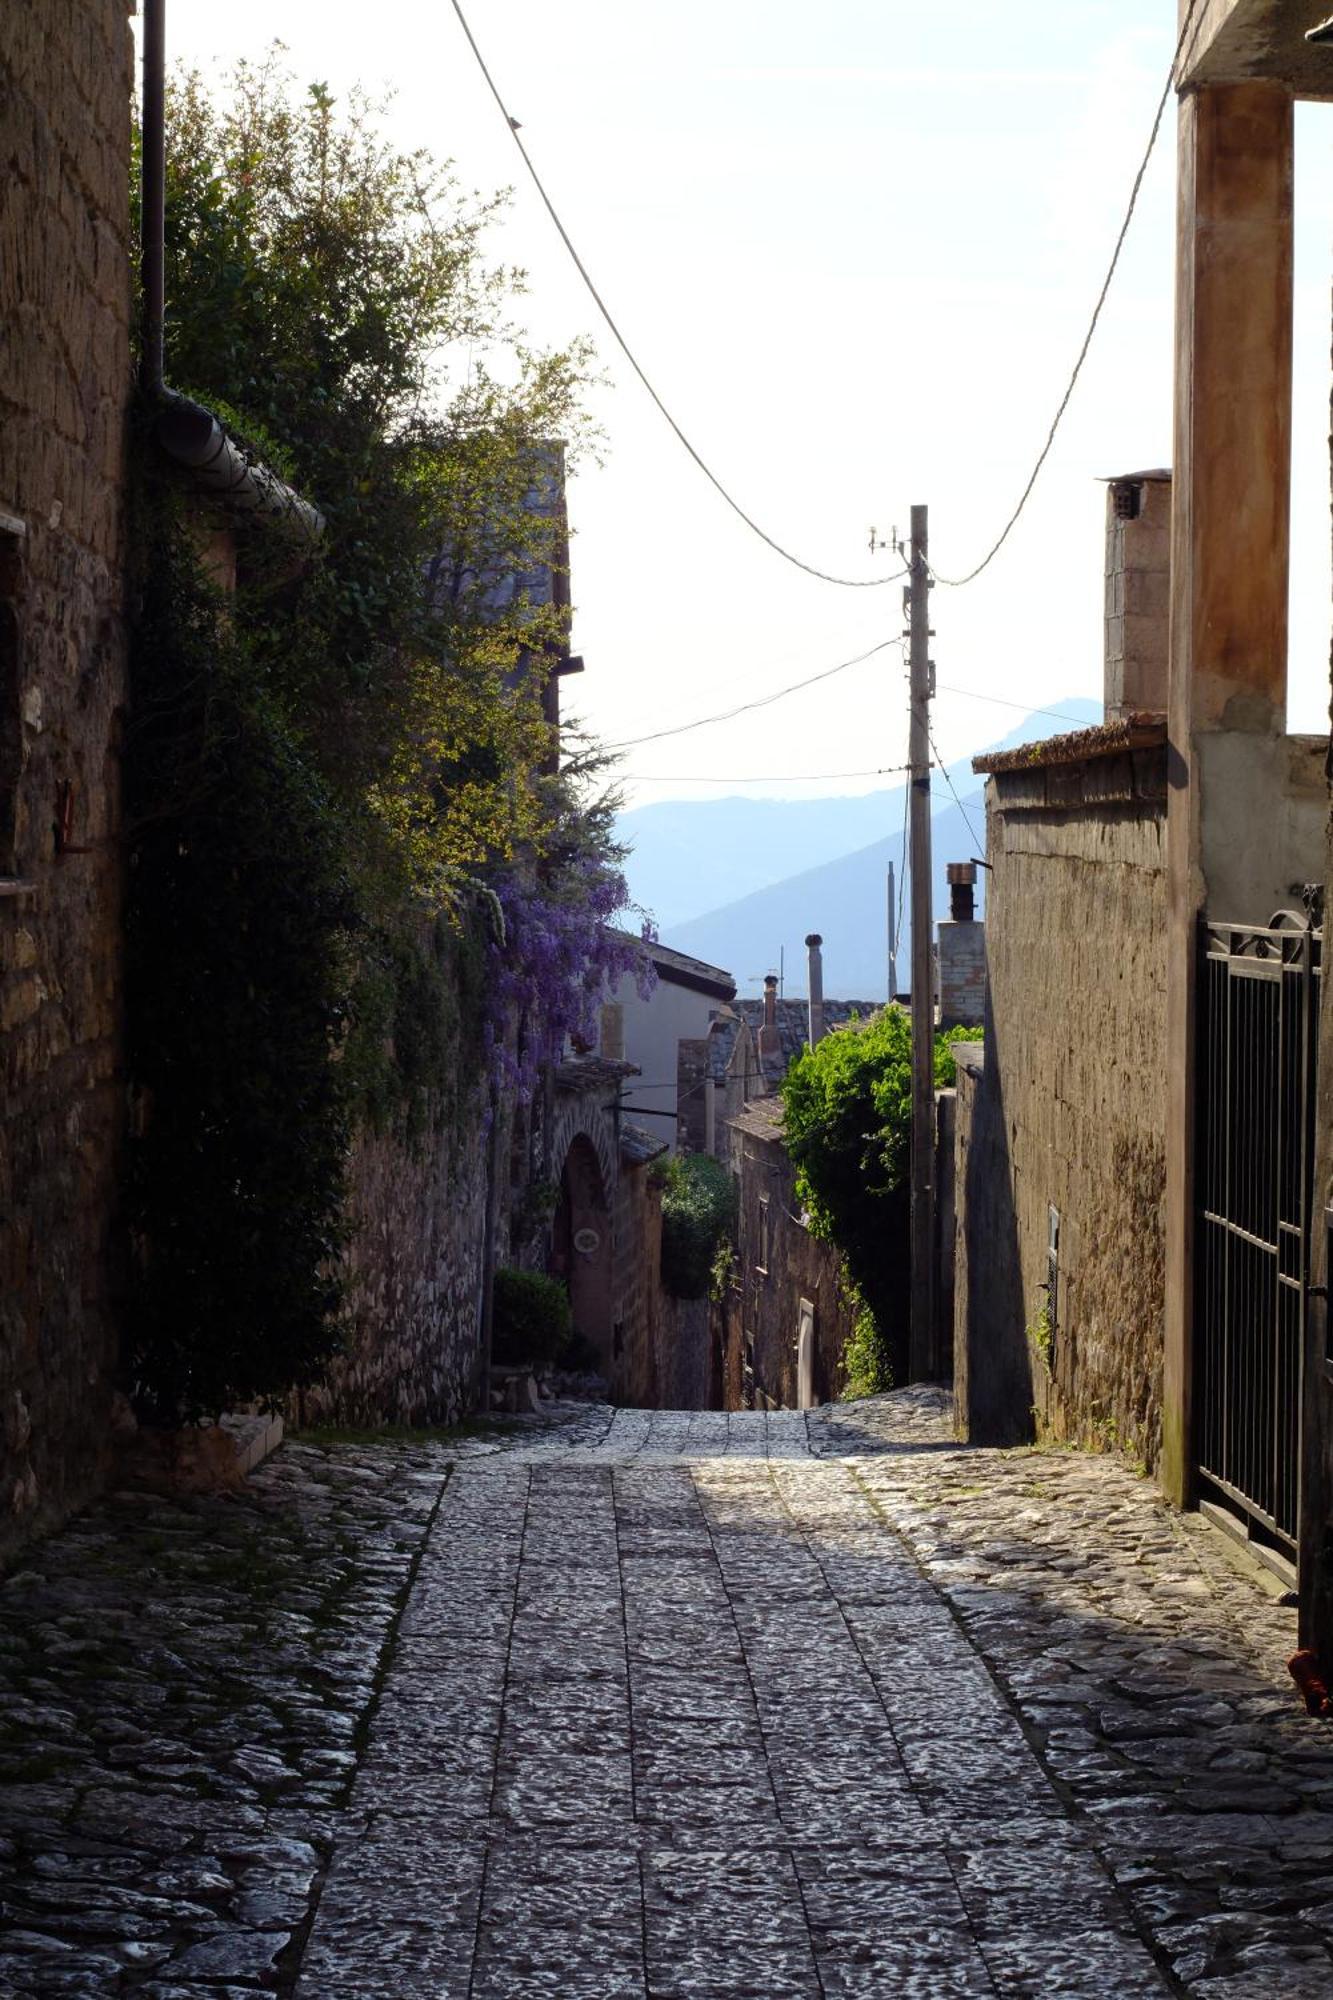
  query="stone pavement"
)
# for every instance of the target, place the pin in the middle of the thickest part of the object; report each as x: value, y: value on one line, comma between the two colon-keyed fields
x: 657, y: 1704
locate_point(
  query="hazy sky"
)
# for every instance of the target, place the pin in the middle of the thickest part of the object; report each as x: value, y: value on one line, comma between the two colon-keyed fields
x: 855, y: 247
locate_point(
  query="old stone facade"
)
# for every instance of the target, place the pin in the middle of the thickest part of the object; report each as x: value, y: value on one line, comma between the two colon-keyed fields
x: 65, y: 82
x: 414, y: 1269
x: 1061, y: 1122
x: 784, y: 1321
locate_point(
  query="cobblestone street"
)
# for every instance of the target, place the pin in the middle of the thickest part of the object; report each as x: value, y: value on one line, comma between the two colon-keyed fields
x: 680, y: 1706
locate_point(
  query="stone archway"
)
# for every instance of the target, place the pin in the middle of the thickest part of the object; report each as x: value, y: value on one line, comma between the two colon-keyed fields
x: 581, y: 1246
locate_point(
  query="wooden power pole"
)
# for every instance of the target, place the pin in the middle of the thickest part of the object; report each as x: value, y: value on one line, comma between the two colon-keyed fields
x: 922, y: 1336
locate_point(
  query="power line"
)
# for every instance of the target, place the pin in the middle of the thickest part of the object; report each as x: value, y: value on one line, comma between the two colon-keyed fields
x: 943, y: 768
x: 845, y: 582
x: 762, y: 701
x: 754, y: 777
x: 957, y: 582
x: 1003, y: 701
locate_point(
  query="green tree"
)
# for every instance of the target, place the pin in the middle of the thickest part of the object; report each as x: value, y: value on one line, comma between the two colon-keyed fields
x: 848, y: 1123
x: 319, y: 767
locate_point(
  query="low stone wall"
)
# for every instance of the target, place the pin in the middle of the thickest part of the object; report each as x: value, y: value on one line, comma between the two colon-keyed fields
x: 1061, y: 1132
x: 636, y: 1289
x: 778, y: 1264
x: 414, y: 1268
x: 687, y: 1356
x: 65, y: 87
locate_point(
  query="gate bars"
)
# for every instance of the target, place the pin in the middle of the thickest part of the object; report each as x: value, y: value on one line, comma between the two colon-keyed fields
x: 1257, y: 1045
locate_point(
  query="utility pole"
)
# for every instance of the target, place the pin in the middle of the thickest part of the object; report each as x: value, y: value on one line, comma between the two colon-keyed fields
x: 917, y: 594
x: 893, y: 939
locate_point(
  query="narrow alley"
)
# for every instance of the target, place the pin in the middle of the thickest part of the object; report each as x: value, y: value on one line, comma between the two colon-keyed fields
x: 680, y: 1706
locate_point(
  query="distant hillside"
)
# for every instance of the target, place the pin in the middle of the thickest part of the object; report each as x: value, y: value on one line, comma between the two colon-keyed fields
x: 691, y: 856
x: 845, y: 900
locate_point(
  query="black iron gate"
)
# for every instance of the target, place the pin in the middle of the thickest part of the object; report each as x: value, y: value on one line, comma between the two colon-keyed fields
x: 1258, y: 1036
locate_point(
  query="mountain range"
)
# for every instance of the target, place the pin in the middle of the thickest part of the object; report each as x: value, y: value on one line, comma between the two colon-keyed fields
x: 740, y: 881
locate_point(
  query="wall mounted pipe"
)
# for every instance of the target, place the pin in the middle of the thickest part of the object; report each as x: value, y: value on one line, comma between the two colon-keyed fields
x: 193, y: 436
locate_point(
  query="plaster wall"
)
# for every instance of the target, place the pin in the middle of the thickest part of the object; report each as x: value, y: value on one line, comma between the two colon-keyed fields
x: 1263, y: 805
x: 652, y: 1031
x: 65, y: 380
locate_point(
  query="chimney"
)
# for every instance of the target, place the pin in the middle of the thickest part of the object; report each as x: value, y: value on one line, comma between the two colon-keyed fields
x: 1138, y: 593
x: 816, y: 962
x: 961, y: 955
x: 962, y: 877
x: 769, y: 1044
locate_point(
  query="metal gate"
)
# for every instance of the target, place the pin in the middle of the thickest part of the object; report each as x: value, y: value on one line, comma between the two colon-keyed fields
x: 1258, y: 1037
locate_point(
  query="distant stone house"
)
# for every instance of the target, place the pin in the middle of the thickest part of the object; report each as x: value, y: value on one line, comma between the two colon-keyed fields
x: 784, y: 1322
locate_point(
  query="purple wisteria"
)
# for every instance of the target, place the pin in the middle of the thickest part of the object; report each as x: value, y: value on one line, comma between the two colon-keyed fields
x: 557, y: 961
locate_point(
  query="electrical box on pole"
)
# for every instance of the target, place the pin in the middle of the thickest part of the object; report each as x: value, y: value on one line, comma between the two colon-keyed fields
x: 921, y: 1350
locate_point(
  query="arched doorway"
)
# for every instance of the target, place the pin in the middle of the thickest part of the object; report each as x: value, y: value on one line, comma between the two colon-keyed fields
x: 581, y: 1247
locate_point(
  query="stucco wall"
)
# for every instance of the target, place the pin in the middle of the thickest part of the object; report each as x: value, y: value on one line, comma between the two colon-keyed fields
x: 1068, y: 1113
x: 652, y: 1030
x: 65, y: 373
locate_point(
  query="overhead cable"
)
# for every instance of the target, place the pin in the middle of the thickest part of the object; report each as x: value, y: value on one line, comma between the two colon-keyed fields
x: 1004, y: 701
x: 755, y: 777
x: 845, y: 582
x: 762, y: 701
x: 943, y: 768
x: 957, y: 582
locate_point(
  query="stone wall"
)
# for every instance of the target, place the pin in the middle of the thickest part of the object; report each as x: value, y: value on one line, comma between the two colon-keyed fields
x: 1061, y: 1131
x: 778, y: 1264
x: 638, y: 1253
x: 414, y: 1269
x: 65, y: 377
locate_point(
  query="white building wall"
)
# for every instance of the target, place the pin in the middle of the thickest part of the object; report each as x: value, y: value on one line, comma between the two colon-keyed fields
x: 652, y: 1030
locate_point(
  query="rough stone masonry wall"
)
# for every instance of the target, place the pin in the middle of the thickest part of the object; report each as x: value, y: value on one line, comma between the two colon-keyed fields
x: 635, y: 1285
x: 65, y: 374
x: 1069, y: 1112
x: 414, y: 1268
x: 778, y: 1263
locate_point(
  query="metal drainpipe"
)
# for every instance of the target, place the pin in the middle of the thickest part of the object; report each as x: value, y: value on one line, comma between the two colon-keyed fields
x: 152, y: 221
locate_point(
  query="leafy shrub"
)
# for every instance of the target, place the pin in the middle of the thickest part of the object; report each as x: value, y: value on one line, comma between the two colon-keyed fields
x: 848, y: 1127
x: 532, y: 1323
x: 237, y: 909
x: 698, y: 1212
x: 867, y: 1366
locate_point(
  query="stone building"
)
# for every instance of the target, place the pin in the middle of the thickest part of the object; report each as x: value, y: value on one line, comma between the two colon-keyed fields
x: 1246, y: 1318
x: 784, y: 1322
x: 1204, y: 853
x: 65, y: 84
x: 1060, y: 1159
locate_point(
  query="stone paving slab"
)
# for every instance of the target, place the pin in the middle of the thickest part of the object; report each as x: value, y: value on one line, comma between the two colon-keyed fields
x: 674, y: 1706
